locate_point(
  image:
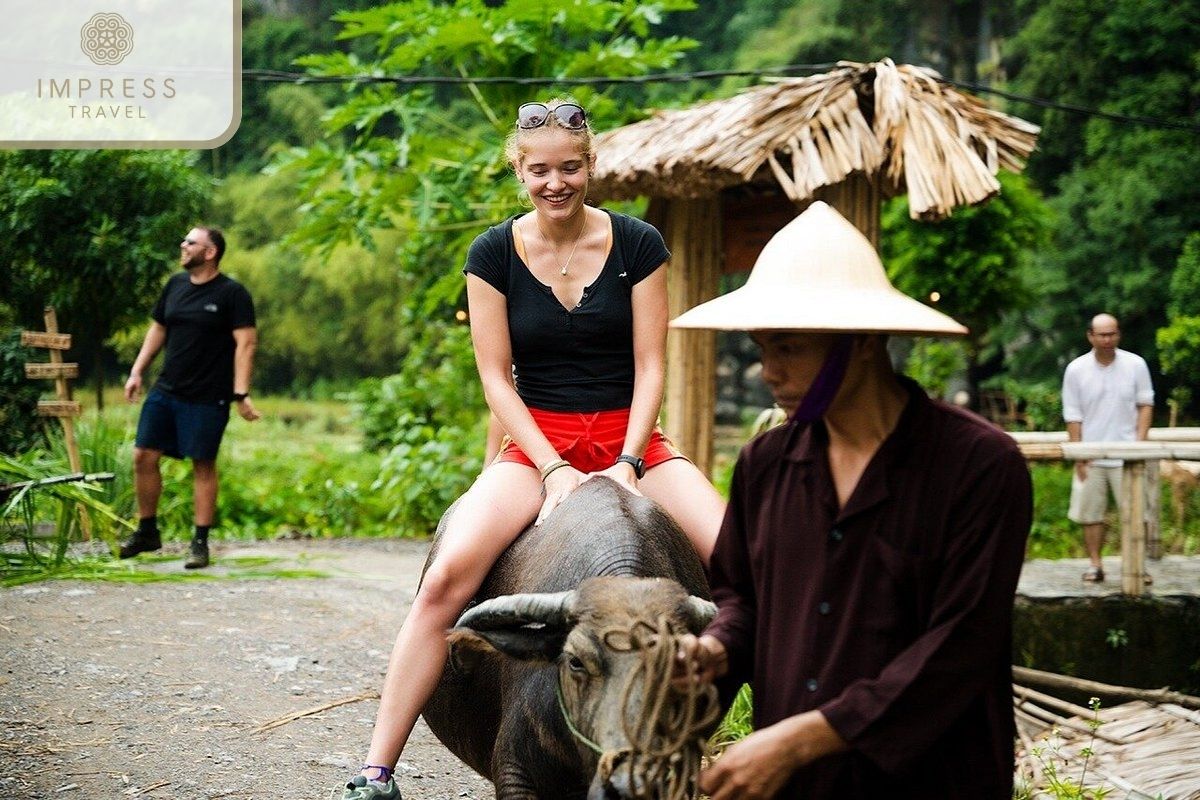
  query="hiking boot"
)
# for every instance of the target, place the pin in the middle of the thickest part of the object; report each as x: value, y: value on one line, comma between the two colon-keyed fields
x: 140, y: 543
x: 359, y: 788
x: 197, y: 556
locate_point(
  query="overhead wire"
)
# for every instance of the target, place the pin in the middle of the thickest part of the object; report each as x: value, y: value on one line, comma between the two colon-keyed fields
x: 281, y: 76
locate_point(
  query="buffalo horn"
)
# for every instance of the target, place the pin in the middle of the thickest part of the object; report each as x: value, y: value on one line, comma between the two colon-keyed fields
x: 699, y: 612
x: 552, y: 609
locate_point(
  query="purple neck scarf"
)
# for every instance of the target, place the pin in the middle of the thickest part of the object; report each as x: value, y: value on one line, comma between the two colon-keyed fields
x: 825, y: 386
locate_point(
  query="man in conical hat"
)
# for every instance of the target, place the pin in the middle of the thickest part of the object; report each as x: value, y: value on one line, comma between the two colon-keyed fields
x: 867, y: 564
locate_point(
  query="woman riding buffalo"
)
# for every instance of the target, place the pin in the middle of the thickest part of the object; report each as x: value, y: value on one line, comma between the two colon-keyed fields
x: 568, y: 309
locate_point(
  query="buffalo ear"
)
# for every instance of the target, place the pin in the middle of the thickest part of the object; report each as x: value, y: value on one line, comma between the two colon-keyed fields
x: 525, y: 642
x: 464, y: 650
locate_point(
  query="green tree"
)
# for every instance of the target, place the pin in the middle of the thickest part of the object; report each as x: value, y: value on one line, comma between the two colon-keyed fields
x: 972, y: 265
x: 1179, y: 340
x: 20, y: 427
x: 92, y: 233
x: 274, y: 115
x: 429, y: 164
x: 1125, y: 195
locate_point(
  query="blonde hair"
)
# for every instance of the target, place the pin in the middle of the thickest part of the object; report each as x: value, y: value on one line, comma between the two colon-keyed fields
x: 518, y: 141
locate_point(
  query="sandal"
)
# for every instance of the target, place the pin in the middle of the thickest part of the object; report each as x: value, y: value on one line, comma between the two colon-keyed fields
x: 1093, y: 575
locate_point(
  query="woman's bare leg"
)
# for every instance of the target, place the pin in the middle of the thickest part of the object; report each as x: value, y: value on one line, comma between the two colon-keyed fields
x: 504, y: 499
x: 684, y: 493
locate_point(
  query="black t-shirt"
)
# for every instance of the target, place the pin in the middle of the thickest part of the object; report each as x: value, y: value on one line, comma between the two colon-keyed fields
x: 581, y: 359
x: 200, y: 319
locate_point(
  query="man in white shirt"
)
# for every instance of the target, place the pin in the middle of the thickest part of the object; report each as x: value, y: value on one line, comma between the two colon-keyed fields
x: 1107, y: 397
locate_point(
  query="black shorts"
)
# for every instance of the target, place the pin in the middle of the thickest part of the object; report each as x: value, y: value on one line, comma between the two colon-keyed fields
x: 181, y: 429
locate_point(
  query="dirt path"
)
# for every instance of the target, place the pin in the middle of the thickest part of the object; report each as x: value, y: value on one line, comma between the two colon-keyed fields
x: 116, y: 690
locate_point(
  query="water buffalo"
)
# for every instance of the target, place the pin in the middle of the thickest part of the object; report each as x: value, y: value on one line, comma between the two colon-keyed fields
x: 577, y: 634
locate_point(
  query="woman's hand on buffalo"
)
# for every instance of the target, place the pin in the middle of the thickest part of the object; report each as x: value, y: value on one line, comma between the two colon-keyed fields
x: 558, y: 484
x: 623, y: 474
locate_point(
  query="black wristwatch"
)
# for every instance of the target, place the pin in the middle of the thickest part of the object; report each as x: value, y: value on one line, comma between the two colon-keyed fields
x: 240, y: 396
x: 638, y: 464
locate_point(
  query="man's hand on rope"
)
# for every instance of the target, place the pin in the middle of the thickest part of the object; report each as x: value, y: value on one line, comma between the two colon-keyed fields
x: 699, y: 660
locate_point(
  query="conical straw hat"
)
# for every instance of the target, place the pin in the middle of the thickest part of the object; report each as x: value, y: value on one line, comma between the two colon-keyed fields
x: 819, y: 273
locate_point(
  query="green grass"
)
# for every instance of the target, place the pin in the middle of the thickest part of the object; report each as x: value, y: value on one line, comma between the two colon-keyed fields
x: 298, y: 470
x: 301, y: 471
x: 94, y: 568
x: 1054, y: 536
x: 737, y: 723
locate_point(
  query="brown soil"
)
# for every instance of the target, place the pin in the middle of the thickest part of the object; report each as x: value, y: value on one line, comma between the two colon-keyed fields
x: 116, y: 690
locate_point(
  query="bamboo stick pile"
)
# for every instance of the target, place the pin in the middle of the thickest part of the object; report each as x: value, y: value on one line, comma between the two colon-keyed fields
x: 1141, y: 749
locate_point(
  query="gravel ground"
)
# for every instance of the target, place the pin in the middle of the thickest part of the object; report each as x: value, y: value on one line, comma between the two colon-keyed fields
x: 116, y: 690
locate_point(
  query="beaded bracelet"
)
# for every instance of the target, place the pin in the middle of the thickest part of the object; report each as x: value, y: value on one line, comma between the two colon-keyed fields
x: 553, y: 465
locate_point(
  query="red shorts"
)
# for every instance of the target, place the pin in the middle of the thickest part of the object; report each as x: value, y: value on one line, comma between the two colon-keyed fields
x: 590, y: 442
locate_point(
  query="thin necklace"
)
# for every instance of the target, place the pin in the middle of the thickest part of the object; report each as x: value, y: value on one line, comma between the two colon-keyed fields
x: 554, y: 248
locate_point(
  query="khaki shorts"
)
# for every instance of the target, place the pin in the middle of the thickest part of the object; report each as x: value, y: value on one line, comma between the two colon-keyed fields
x: 1089, y: 498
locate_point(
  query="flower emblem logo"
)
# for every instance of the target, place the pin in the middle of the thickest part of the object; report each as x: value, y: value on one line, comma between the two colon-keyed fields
x: 106, y: 38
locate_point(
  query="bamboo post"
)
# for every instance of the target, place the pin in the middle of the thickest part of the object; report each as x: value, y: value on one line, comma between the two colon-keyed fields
x: 62, y: 390
x: 1140, y: 497
x: 692, y: 229
x: 62, y: 406
x: 1133, y: 527
x: 1153, y: 511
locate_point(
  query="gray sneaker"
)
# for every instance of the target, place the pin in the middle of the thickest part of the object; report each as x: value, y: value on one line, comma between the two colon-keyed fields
x: 359, y: 788
x: 197, y: 555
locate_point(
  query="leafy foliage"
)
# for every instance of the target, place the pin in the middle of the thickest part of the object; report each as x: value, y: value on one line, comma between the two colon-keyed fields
x: 1179, y: 350
x: 738, y: 722
x: 933, y: 363
x: 1126, y: 195
x: 430, y: 165
x: 429, y: 420
x: 20, y: 427
x: 21, y: 511
x: 92, y: 233
x: 396, y: 155
x: 1179, y: 341
x: 975, y: 263
x: 1185, y: 281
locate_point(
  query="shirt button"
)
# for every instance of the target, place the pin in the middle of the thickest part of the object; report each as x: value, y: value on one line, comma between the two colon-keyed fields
x: 811, y: 684
x: 823, y: 608
x: 835, y: 534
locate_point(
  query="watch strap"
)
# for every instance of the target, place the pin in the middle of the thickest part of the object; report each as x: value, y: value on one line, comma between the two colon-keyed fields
x: 638, y: 464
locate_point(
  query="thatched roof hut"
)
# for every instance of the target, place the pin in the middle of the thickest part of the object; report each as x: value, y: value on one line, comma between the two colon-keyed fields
x: 903, y: 125
x: 725, y: 175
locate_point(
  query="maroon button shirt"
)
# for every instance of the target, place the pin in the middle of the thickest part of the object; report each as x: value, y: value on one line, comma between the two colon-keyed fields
x: 893, y: 616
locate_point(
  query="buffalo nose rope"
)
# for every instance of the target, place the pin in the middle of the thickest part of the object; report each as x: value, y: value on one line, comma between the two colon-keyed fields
x: 667, y: 734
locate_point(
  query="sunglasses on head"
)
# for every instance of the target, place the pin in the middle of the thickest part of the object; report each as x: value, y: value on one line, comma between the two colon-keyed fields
x: 534, y: 115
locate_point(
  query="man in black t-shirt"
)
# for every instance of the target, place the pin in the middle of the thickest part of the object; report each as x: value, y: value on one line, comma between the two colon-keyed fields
x: 206, y: 322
